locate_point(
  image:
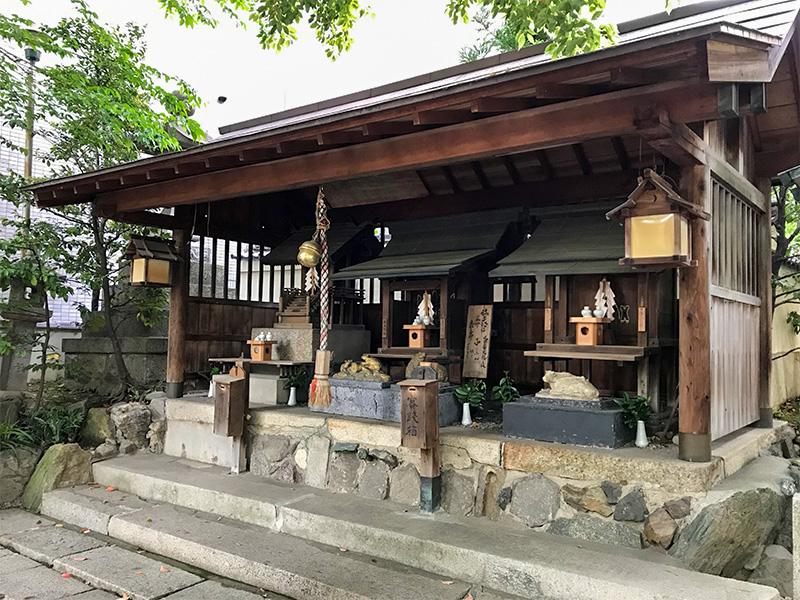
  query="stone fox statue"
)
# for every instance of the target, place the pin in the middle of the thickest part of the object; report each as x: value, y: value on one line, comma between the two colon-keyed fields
x: 567, y: 385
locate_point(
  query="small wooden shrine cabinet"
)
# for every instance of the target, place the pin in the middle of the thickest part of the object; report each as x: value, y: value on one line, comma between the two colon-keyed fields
x: 447, y: 260
x: 572, y: 252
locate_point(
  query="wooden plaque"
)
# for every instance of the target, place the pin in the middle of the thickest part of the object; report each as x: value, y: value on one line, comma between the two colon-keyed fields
x: 479, y: 334
x: 419, y: 413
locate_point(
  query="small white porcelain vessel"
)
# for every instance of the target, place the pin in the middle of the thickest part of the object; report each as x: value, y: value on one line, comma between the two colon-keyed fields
x: 599, y: 312
x: 292, y: 397
x: 641, y: 435
x: 426, y: 320
x: 586, y: 312
x: 466, y: 417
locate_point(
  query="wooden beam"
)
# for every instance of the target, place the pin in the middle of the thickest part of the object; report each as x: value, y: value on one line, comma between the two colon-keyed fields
x: 544, y: 162
x: 258, y: 154
x: 501, y: 105
x: 513, y: 173
x: 536, y: 128
x: 223, y: 162
x: 675, y: 141
x: 764, y: 283
x: 342, y: 137
x: 694, y: 328
x: 451, y: 179
x: 134, y: 178
x: 622, y: 154
x: 113, y: 183
x: 565, y: 91
x: 161, y: 174
x: 442, y: 117
x: 583, y: 160
x: 178, y: 309
x: 191, y: 168
x: 737, y: 63
x: 383, y: 128
x: 145, y: 218
x: 481, y: 176
x: 298, y: 146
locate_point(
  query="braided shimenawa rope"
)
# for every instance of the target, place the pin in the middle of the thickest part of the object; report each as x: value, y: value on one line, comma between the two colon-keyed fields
x: 322, y: 229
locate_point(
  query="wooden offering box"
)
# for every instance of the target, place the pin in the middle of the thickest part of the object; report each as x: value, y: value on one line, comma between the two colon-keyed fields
x: 589, y: 330
x: 230, y: 405
x: 261, y: 349
x: 419, y: 336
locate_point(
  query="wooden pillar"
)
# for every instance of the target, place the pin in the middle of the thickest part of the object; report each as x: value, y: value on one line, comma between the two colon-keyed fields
x: 764, y: 282
x: 178, y: 307
x: 694, y: 329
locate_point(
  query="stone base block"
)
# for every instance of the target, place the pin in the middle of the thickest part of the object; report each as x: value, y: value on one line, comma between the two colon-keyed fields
x: 376, y: 400
x: 566, y: 421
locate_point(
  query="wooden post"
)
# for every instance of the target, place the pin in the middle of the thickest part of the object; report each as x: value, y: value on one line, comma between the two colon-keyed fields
x: 178, y: 307
x: 694, y: 329
x: 764, y: 286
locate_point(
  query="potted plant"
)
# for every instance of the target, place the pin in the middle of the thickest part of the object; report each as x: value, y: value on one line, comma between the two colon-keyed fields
x: 635, y: 411
x: 505, y: 391
x: 298, y: 379
x: 470, y: 393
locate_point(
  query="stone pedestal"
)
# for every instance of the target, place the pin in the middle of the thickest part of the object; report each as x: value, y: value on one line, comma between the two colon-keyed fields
x: 376, y: 400
x: 585, y: 423
x: 348, y: 342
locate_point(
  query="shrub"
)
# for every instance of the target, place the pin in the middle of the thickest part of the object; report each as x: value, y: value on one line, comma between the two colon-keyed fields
x: 634, y: 408
x: 473, y: 392
x: 505, y: 390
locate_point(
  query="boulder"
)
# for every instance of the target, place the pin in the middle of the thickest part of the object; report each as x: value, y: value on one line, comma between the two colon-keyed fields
x: 404, y: 485
x: 343, y: 472
x: 156, y: 434
x: 504, y: 497
x: 595, y: 529
x: 374, y: 481
x: 775, y: 570
x: 660, y: 528
x: 458, y: 493
x: 16, y: 467
x: 127, y: 447
x: 382, y: 455
x: 316, y: 474
x: 286, y: 472
x: 97, y: 427
x: 612, y: 490
x: 587, y: 499
x: 680, y: 508
x: 725, y: 535
x: 267, y: 451
x: 132, y: 421
x: 63, y: 465
x: 536, y: 500
x: 631, y: 507
x: 107, y: 449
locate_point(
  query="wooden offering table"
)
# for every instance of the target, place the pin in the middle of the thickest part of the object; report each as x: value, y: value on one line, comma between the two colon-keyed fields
x: 266, y: 378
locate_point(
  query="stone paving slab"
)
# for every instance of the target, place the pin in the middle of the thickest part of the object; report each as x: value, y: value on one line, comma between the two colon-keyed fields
x: 89, y: 506
x: 212, y: 590
x: 40, y: 583
x: 123, y: 572
x: 45, y: 544
x: 14, y: 519
x: 11, y: 563
x: 101, y: 595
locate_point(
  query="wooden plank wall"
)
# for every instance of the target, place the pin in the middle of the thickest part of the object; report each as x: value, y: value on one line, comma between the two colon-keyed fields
x: 735, y: 312
x: 221, y: 328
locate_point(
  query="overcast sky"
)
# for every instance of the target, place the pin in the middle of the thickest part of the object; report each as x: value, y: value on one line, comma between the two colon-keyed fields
x: 406, y: 38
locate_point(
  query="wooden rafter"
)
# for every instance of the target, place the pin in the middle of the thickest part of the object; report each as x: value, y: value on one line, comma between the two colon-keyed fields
x: 441, y: 117
x: 583, y: 160
x: 544, y: 161
x: 622, y: 154
x: 477, y: 168
x: 513, y: 173
x: 451, y: 179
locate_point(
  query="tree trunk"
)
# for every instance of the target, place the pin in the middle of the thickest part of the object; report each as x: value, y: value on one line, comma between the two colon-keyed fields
x: 102, y: 261
x: 45, y: 346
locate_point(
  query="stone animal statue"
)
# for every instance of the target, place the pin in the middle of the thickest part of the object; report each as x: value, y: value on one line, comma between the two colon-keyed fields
x: 368, y: 369
x: 569, y: 386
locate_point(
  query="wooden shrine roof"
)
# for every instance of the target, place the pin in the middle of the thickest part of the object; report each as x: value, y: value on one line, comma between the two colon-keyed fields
x: 340, y: 238
x: 437, y: 246
x: 580, y: 241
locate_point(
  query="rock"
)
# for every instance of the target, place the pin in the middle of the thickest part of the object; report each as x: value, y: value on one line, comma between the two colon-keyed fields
x: 301, y: 457
x: 156, y: 404
x: 595, y: 529
x: 490, y: 481
x: 660, y: 528
x: 587, y: 499
x: 504, y: 497
x: 722, y: 538
x: 127, y: 447
x: 775, y: 570
x: 132, y: 421
x: 96, y: 428
x: 458, y: 458
x: 156, y: 433
x: 16, y: 467
x: 458, y: 493
x: 374, y: 481
x: 362, y: 453
x: 384, y: 456
x: 404, y: 485
x: 107, y: 449
x: 787, y: 449
x: 286, y: 472
x: 272, y: 448
x: 536, y: 500
x: 343, y: 472
x: 787, y: 486
x: 344, y: 447
x: 784, y: 536
x: 631, y: 507
x: 773, y: 450
x: 680, y: 508
x: 63, y: 465
x: 316, y: 473
x: 612, y: 490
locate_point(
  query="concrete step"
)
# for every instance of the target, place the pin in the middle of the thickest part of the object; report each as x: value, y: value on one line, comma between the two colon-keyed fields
x: 248, y: 553
x: 526, y: 563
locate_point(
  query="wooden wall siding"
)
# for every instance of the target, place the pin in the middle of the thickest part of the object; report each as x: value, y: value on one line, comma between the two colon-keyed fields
x: 518, y: 326
x: 734, y: 365
x: 215, y: 328
x: 734, y: 240
x: 735, y: 312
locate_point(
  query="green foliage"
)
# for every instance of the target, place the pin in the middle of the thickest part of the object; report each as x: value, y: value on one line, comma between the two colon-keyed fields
x: 13, y: 436
x: 634, y: 408
x: 505, y: 390
x: 53, y: 424
x: 571, y: 25
x: 472, y: 392
x: 298, y: 379
x: 493, y: 38
x: 785, y: 266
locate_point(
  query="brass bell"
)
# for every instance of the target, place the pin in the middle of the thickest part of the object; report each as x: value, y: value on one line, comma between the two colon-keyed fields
x: 309, y: 254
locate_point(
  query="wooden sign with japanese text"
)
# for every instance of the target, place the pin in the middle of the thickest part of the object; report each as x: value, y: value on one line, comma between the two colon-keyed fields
x: 479, y: 333
x: 419, y: 413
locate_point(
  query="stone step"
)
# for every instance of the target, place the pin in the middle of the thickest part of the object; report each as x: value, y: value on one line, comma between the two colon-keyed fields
x: 496, y: 555
x: 247, y: 553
